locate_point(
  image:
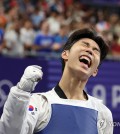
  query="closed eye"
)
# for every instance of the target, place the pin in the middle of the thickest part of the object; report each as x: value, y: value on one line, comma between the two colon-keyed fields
x: 85, y: 44
x: 96, y: 50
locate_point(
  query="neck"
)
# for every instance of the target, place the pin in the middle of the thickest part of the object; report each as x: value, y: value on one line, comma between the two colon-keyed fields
x: 73, y: 87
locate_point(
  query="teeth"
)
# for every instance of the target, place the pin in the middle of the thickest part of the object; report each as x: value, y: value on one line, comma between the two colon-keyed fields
x: 84, y: 57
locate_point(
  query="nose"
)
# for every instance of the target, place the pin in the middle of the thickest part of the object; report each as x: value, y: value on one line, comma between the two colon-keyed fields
x: 89, y: 51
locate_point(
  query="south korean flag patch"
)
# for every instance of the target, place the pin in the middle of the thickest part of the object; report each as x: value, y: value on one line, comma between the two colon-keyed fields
x: 32, y: 109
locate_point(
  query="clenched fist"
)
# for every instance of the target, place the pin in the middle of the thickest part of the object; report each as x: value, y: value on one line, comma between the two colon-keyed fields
x: 32, y: 75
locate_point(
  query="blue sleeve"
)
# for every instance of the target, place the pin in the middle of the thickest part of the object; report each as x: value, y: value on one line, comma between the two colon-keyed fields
x: 53, y: 39
x: 37, y: 40
x: 1, y: 36
x: 57, y: 39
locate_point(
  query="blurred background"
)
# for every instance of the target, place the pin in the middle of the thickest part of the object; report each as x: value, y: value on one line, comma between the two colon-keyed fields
x: 34, y: 32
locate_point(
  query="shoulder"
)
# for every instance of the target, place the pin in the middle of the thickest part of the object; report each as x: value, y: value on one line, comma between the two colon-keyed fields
x: 39, y: 105
x: 41, y: 98
x: 37, y: 98
x: 100, y: 107
x: 43, y: 95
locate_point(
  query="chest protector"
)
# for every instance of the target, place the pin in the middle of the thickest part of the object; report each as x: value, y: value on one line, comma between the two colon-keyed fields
x: 68, y: 119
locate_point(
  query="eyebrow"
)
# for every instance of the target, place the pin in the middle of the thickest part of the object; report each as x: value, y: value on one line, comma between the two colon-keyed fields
x: 89, y: 45
x: 86, y: 43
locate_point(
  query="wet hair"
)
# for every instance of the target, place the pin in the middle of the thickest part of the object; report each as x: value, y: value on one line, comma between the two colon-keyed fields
x: 86, y: 33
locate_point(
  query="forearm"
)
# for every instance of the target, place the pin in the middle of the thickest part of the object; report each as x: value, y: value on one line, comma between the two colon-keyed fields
x: 14, y: 112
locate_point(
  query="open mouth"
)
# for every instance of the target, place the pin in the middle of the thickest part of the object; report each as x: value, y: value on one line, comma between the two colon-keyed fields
x: 86, y: 60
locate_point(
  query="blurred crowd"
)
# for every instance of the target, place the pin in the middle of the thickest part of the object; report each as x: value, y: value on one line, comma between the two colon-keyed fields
x: 37, y: 27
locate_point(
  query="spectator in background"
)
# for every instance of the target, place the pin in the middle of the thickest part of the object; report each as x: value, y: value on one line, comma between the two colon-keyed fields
x: 3, y: 22
x: 102, y: 24
x: 113, y: 20
x: 115, y: 46
x: 2, y: 41
x: 68, y: 16
x: 58, y: 6
x: 37, y: 17
x: 78, y: 12
x: 12, y: 15
x: 43, y: 40
x: 15, y: 46
x: 115, y: 28
x: 44, y: 6
x: 61, y: 38
x: 27, y: 34
x: 53, y: 21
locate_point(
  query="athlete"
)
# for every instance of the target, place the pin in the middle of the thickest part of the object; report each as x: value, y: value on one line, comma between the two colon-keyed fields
x: 67, y: 108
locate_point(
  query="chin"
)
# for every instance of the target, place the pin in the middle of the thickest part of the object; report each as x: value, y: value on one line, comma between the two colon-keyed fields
x: 82, y: 74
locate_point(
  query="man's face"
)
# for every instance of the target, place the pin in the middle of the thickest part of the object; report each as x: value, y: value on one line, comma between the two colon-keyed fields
x: 83, y: 58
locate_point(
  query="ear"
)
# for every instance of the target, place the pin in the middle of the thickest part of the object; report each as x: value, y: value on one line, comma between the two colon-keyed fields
x: 95, y: 72
x: 65, y: 54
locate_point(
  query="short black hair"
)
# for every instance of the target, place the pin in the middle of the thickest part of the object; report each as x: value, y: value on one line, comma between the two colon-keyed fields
x: 86, y: 33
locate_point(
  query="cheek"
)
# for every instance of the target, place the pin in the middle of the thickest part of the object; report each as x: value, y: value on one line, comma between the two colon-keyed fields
x: 72, y: 59
x: 97, y: 61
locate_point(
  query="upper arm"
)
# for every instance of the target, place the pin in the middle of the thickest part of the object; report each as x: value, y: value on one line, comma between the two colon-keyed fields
x: 23, y: 113
x: 44, y: 113
x: 38, y: 114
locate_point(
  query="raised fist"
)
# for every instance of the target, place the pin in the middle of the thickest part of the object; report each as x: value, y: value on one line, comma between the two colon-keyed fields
x: 32, y: 75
